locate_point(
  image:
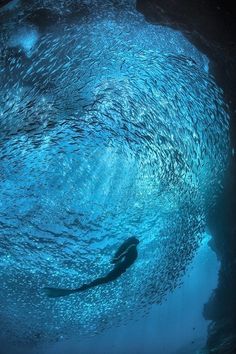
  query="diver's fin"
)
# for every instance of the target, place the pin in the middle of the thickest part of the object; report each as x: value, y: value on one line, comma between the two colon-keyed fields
x: 57, y: 292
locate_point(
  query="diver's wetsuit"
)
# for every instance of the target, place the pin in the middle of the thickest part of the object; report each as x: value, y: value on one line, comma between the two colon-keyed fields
x: 123, y: 259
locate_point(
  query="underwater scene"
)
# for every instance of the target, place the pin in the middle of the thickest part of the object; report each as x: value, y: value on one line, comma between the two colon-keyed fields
x: 114, y: 145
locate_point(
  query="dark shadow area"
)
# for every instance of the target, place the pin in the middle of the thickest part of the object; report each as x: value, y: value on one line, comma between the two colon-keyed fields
x: 4, y: 2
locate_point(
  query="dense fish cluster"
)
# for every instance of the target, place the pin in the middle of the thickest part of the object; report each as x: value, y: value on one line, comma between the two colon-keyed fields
x: 109, y: 127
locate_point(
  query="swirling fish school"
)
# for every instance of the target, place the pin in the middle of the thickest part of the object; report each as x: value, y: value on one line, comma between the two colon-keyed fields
x: 109, y: 126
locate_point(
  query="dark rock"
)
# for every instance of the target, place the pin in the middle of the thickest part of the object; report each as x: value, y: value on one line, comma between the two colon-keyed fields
x: 4, y: 2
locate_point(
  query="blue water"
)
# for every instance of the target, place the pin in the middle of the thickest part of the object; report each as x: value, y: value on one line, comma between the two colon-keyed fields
x: 176, y: 326
x: 109, y: 127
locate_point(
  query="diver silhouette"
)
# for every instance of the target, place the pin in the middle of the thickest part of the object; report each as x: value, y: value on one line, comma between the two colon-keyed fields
x: 124, y: 257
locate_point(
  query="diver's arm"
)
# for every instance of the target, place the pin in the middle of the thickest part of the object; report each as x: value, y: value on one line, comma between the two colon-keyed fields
x: 119, y: 257
x: 118, y: 253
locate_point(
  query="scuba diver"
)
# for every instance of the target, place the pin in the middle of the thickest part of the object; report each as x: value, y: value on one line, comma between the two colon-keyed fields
x: 124, y: 257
